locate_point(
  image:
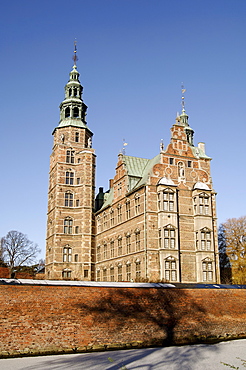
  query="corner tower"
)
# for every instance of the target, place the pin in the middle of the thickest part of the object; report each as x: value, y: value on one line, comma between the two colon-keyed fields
x: 70, y: 224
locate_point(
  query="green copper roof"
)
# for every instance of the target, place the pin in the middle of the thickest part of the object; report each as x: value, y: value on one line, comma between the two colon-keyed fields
x: 138, y: 171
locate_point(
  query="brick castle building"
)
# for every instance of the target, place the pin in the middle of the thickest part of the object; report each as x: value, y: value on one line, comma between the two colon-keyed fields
x: 156, y: 222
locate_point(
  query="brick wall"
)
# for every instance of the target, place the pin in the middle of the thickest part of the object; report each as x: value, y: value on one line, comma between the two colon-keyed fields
x: 51, y: 317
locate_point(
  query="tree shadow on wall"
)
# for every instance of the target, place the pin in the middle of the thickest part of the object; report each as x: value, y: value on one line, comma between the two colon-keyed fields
x: 152, y: 316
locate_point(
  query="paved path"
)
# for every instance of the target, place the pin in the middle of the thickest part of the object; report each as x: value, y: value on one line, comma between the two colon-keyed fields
x: 195, y: 357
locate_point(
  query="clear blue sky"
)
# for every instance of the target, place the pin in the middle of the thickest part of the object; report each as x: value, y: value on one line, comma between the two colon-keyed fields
x: 133, y: 57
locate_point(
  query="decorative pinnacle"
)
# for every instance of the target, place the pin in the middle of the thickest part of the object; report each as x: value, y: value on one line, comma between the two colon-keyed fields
x: 75, y: 58
x: 183, y: 90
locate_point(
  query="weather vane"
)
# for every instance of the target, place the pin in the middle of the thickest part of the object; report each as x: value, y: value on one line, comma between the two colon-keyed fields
x: 183, y: 90
x: 75, y: 58
x: 124, y: 147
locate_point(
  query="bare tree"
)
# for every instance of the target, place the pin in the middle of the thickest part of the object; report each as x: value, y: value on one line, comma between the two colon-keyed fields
x: 18, y: 250
x: 235, y: 241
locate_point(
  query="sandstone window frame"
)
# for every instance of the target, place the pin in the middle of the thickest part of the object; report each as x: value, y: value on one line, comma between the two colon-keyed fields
x: 128, y: 209
x: 169, y: 237
x: 138, y: 270
x: 207, y: 270
x: 119, y: 272
x: 69, y: 198
x: 68, y: 225
x: 128, y: 271
x: 66, y: 274
x: 137, y: 240
x: 137, y: 204
x: 128, y: 243
x: 120, y: 250
x: 69, y: 177
x: 67, y: 254
x: 201, y: 202
x: 170, y: 269
x: 70, y: 156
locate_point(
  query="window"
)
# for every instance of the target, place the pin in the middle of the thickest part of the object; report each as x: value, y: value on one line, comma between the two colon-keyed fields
x: 67, y: 112
x: 112, y: 217
x: 105, y: 223
x: 68, y: 199
x: 99, y: 224
x: 77, y: 202
x: 128, y: 243
x: 76, y: 258
x: 98, y: 253
x: 98, y: 275
x: 189, y: 163
x: 67, y: 254
x: 68, y: 225
x: 204, y: 243
x: 112, y: 249
x: 105, y: 251
x: 169, y: 237
x: 78, y: 180
x: 170, y: 160
x: 137, y: 204
x: 137, y: 240
x: 69, y: 178
x: 168, y: 200
x: 86, y: 273
x: 76, y: 137
x: 159, y: 238
x: 128, y: 272
x: 119, y: 246
x: 120, y: 273
x: 70, y: 156
x: 170, y: 269
x: 66, y: 274
x: 104, y: 274
x: 111, y: 273
x: 119, y: 213
x: 138, y: 270
x: 76, y: 229
x: 201, y: 204
x: 207, y: 271
x: 128, y: 210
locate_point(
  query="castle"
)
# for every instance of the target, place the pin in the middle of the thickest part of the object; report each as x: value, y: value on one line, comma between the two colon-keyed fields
x: 157, y: 222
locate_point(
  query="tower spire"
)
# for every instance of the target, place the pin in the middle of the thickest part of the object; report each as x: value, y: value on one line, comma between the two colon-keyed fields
x: 183, y: 90
x: 75, y: 57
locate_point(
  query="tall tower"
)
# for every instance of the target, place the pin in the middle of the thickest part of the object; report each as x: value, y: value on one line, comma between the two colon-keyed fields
x: 70, y: 224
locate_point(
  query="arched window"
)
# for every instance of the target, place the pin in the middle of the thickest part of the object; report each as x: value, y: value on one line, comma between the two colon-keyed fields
x: 76, y: 112
x: 68, y: 225
x: 67, y: 112
x: 75, y: 91
x: 68, y: 199
x: 70, y: 92
x: 76, y: 137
